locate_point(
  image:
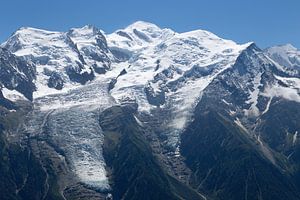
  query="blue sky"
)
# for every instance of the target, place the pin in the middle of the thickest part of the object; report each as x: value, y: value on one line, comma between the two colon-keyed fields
x: 267, y: 22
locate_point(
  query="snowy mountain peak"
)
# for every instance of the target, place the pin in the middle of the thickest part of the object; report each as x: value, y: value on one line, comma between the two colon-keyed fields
x: 27, y: 35
x: 27, y: 29
x: 289, y: 47
x: 85, y: 32
x: 200, y: 34
x: 138, y: 35
x: 142, y: 25
x: 286, y: 48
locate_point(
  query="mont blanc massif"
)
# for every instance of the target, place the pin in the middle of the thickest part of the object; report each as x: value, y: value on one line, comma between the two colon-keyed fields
x: 147, y: 113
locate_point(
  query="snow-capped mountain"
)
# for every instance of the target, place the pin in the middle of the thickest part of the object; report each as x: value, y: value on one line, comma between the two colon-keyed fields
x: 61, y: 59
x: 150, y: 91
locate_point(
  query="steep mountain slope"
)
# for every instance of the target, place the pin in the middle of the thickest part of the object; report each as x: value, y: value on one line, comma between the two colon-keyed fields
x: 136, y: 173
x: 233, y: 128
x: 230, y: 164
x: 147, y: 113
x: 16, y: 74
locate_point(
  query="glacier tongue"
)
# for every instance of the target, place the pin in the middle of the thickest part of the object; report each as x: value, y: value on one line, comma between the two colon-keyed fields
x: 70, y: 121
x: 77, y: 132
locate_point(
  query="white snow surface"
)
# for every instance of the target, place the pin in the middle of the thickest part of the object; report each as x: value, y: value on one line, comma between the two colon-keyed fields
x: 295, y: 137
x: 268, y: 106
x: 253, y: 110
x: 12, y: 95
x: 238, y: 122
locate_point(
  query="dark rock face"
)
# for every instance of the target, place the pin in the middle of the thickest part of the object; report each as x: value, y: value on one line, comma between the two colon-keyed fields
x: 79, y: 77
x: 98, y: 54
x: 120, y: 54
x: 56, y: 81
x: 112, y: 84
x: 279, y: 128
x: 155, y: 98
x: 141, y: 35
x: 124, y: 34
x: 279, y: 124
x: 16, y: 73
x: 22, y: 174
x: 113, y: 81
x: 100, y: 69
